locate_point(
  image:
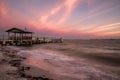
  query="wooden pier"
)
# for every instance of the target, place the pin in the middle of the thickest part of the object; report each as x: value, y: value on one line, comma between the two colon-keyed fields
x: 17, y: 36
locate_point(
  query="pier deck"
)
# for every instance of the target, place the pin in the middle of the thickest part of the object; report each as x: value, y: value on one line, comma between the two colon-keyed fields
x: 17, y: 36
x: 29, y: 42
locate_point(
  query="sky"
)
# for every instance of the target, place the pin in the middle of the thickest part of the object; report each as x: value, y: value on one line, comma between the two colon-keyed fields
x: 63, y: 18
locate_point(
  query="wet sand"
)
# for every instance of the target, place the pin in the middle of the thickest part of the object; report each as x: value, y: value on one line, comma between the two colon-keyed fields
x: 70, y: 60
x: 12, y: 67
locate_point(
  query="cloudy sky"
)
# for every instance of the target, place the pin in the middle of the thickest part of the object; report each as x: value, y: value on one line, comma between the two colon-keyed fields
x: 63, y: 18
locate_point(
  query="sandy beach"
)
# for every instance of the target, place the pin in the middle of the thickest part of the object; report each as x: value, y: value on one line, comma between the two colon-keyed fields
x: 70, y: 60
x: 12, y: 67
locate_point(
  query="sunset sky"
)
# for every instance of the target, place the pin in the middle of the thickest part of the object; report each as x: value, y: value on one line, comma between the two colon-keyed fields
x: 63, y: 18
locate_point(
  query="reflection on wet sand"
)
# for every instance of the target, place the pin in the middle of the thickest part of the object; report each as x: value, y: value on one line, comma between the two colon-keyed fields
x: 71, y: 60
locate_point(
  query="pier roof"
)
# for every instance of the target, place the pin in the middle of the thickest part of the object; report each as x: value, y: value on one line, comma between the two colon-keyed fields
x: 17, y: 30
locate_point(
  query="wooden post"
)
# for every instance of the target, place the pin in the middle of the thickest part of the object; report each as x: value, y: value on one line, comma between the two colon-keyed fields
x: 3, y: 39
x: 8, y: 36
x: 3, y: 36
x: 14, y: 36
x: 22, y: 37
x: 25, y: 36
x: 31, y: 36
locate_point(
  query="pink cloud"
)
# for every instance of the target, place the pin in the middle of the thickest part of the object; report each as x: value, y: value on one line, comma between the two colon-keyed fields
x: 69, y: 4
x: 104, y: 28
x: 100, y: 6
x: 3, y: 10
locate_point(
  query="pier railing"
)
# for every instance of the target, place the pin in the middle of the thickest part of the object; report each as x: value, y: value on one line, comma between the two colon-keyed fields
x: 28, y: 40
x: 16, y: 36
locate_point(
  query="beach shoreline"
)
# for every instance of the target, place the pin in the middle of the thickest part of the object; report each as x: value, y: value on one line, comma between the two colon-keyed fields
x: 75, y: 60
x: 12, y: 67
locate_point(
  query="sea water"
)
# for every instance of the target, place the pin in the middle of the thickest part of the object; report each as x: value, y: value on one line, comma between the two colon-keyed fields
x: 77, y: 59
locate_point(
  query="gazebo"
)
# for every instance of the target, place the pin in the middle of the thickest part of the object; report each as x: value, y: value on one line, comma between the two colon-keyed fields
x: 19, y: 35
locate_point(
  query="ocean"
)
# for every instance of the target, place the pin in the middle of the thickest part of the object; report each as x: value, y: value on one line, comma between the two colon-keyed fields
x: 76, y: 59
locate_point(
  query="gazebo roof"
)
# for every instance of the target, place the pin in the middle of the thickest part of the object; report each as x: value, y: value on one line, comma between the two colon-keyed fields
x: 17, y: 30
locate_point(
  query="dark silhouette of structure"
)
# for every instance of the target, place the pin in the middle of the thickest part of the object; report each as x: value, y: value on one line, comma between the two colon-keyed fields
x: 16, y: 36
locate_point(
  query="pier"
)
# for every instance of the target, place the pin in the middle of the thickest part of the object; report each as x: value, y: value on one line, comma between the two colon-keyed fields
x: 16, y: 36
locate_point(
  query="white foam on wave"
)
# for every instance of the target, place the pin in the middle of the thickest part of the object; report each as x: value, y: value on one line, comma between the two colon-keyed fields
x: 46, y: 54
x: 60, y: 64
